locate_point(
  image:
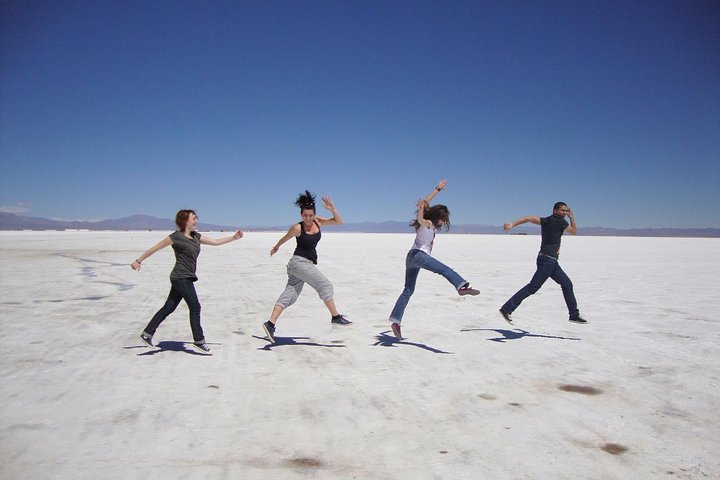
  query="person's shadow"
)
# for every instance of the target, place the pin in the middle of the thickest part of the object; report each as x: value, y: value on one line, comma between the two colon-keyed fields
x: 516, y: 334
x: 385, y: 339
x: 293, y: 341
x: 170, y: 346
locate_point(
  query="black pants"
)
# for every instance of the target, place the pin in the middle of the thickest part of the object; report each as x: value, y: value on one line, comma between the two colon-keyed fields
x: 183, y: 289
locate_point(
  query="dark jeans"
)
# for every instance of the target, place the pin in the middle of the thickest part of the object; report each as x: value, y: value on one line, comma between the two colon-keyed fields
x: 547, y: 267
x: 183, y: 289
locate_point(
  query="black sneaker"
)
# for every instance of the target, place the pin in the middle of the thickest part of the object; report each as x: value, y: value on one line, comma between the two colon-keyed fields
x: 340, y: 320
x: 506, y: 316
x: 269, y: 331
x: 202, y: 348
x: 468, y: 290
x: 579, y: 320
x: 147, y: 339
x: 396, y: 330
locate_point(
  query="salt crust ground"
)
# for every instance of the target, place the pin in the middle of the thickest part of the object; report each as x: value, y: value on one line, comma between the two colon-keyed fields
x: 632, y: 395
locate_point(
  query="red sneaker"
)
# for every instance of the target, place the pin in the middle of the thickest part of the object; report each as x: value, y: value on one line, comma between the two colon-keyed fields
x: 396, y: 330
x: 468, y: 290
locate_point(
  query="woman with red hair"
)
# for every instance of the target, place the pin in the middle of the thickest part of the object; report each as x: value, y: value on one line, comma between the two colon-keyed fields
x: 186, y: 242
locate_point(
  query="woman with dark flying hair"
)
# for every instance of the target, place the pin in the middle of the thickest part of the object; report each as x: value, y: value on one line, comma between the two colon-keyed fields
x: 186, y: 243
x: 427, y: 222
x: 302, y: 267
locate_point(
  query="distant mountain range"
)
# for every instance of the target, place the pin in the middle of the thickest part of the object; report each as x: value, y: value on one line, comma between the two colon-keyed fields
x: 10, y: 221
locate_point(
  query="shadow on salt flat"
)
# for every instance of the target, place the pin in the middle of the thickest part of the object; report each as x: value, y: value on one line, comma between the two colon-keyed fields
x: 91, y: 273
x: 91, y: 260
x: 514, y: 334
x: 387, y: 340
x: 61, y: 300
x: 293, y: 341
x: 169, y: 346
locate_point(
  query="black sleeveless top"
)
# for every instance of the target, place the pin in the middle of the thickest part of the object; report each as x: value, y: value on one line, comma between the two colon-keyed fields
x: 306, y: 243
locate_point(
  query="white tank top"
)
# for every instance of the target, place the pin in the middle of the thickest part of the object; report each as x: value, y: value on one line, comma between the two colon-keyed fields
x: 424, y: 239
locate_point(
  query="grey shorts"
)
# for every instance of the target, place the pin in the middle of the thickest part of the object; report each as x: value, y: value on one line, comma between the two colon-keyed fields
x: 301, y: 271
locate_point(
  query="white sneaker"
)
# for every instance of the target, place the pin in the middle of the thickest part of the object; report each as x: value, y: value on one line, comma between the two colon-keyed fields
x: 202, y: 348
x: 147, y: 339
x: 506, y: 316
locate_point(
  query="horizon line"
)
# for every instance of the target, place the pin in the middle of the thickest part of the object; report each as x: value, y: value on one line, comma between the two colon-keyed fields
x: 221, y: 227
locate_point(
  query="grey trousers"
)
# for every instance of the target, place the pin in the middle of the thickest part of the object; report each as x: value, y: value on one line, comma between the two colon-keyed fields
x: 301, y: 271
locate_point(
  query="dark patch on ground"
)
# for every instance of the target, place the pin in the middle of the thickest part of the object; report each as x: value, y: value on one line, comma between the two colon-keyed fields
x: 303, y: 462
x: 585, y: 390
x: 614, y: 448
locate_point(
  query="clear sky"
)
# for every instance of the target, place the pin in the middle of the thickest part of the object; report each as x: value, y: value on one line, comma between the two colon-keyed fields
x: 109, y: 109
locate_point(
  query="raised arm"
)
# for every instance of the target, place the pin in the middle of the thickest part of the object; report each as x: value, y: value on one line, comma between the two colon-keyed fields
x: 572, y: 228
x: 221, y: 241
x: 440, y: 186
x: 293, y: 231
x: 421, y: 214
x: 520, y: 221
x: 336, y: 218
x: 165, y: 242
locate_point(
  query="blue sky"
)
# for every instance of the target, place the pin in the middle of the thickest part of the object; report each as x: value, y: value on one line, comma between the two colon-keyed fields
x: 109, y: 109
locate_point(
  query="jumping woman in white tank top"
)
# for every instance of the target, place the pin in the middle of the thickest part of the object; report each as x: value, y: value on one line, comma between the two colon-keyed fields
x: 429, y: 220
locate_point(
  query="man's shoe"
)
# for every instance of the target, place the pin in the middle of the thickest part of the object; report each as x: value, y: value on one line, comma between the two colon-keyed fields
x: 340, y: 320
x: 578, y: 320
x: 506, y: 316
x: 468, y: 290
x: 147, y: 339
x: 396, y: 330
x: 269, y: 331
x: 202, y: 348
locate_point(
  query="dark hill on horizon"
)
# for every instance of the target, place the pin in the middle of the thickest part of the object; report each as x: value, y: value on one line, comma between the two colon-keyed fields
x: 10, y: 221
